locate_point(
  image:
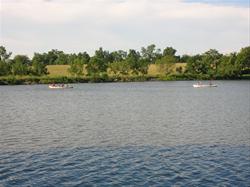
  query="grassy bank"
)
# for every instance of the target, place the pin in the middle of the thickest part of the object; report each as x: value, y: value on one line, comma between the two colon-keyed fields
x: 246, y: 76
x: 18, y: 80
x: 60, y: 74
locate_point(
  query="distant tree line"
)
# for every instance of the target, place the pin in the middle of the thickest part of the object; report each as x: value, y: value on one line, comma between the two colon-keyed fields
x: 211, y: 63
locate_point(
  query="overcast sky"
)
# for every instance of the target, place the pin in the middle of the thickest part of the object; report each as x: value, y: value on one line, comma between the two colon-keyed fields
x: 190, y: 26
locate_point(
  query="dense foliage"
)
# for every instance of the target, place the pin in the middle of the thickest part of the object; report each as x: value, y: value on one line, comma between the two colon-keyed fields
x: 210, y: 64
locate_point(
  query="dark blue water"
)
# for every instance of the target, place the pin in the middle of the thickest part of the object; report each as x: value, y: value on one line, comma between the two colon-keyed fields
x: 125, y: 134
x: 193, y: 165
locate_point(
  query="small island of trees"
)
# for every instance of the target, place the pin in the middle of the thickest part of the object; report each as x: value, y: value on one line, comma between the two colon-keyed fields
x: 148, y: 64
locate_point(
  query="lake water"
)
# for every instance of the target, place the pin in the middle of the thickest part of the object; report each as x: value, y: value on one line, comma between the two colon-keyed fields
x: 125, y: 134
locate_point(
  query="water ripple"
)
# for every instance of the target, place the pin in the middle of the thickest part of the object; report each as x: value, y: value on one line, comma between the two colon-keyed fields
x: 191, y: 165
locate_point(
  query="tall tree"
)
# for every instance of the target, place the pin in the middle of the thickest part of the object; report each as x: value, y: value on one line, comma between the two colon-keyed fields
x: 150, y: 53
x: 5, y: 67
x: 118, y: 56
x: 169, y: 51
x: 20, y: 65
x: 185, y: 58
x: 77, y: 63
x: 195, y: 65
x: 51, y: 56
x: 84, y: 57
x: 62, y: 58
x: 228, y: 67
x: 133, y: 60
x: 76, y: 67
x: 211, y: 59
x: 4, y: 55
x: 243, y: 58
x: 120, y: 67
x: 38, y: 64
x: 99, y: 62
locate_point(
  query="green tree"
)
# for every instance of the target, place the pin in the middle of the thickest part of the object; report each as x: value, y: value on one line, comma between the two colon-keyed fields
x: 243, y: 58
x: 121, y: 67
x: 228, y: 67
x: 84, y: 57
x: 77, y: 63
x: 133, y: 61
x: 169, y: 51
x: 118, y: 56
x: 52, y: 56
x: 165, y: 64
x: 38, y: 64
x: 185, y: 58
x: 4, y: 55
x: 76, y: 67
x: 195, y: 65
x: 56, y: 57
x: 143, y: 66
x: 99, y: 62
x: 96, y: 66
x: 207, y: 63
x: 20, y: 65
x: 62, y: 58
x: 211, y: 59
x: 150, y: 53
x: 5, y: 68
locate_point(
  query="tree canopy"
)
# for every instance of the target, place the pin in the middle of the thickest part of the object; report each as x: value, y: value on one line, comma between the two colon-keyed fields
x: 211, y: 63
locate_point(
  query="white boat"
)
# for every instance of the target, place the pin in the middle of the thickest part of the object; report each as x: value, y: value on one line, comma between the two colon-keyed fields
x: 204, y: 85
x: 59, y: 86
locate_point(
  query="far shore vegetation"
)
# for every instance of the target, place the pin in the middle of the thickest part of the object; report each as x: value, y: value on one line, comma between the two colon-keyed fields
x: 122, y: 66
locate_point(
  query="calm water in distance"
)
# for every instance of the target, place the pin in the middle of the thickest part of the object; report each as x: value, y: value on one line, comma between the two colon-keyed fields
x: 125, y: 134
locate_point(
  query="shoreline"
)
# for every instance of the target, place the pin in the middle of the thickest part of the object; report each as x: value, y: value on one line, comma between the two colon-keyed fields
x: 29, y: 80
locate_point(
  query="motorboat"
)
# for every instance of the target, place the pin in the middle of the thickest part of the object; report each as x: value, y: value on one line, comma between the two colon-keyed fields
x: 204, y: 85
x: 199, y: 85
x: 59, y: 86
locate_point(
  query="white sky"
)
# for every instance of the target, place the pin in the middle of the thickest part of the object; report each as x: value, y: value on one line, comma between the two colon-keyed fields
x: 29, y: 26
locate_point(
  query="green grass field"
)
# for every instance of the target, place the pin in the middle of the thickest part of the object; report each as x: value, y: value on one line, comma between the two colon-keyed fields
x: 58, y: 70
x: 62, y: 70
x: 153, y: 69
